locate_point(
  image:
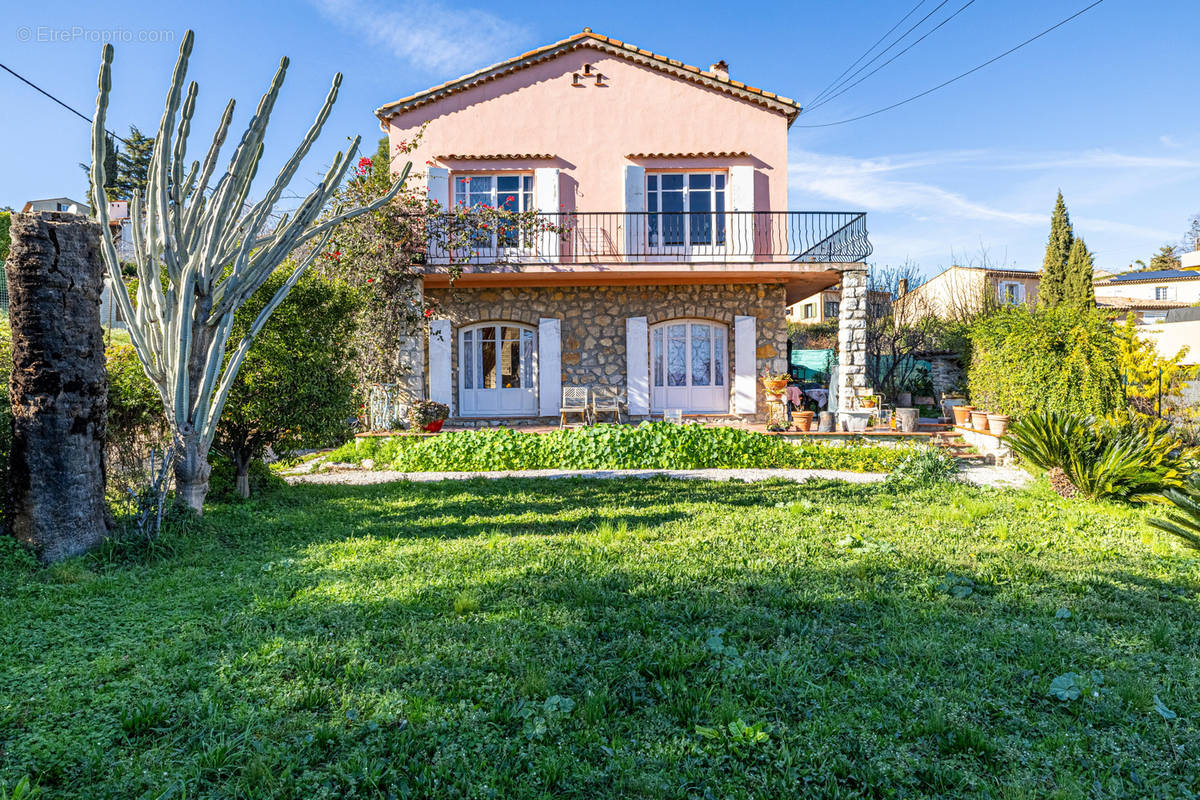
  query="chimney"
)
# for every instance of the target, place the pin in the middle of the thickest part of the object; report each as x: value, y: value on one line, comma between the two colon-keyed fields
x: 902, y: 287
x: 720, y: 69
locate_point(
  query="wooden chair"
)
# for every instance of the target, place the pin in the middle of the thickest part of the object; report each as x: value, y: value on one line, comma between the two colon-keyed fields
x: 574, y: 401
x: 606, y: 400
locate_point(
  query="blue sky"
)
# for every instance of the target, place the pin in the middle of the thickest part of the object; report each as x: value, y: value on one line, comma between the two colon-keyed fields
x: 1105, y: 108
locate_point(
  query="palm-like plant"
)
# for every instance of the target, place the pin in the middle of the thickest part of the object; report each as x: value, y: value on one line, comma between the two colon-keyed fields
x: 1130, y: 461
x: 1183, y: 520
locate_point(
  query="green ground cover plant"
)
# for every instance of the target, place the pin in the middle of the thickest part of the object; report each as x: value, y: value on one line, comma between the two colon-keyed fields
x: 651, y: 445
x: 612, y: 639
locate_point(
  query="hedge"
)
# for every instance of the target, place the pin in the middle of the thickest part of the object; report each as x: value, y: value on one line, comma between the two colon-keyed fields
x: 1058, y: 359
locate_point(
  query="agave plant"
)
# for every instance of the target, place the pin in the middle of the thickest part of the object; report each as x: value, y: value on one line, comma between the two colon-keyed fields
x: 1130, y: 461
x: 1183, y: 520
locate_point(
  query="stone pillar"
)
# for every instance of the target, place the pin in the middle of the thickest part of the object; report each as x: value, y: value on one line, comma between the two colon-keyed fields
x: 59, y: 386
x: 852, y: 336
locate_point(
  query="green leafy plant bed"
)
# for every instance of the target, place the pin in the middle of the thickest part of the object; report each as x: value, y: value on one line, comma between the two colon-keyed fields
x: 612, y: 640
x: 651, y: 445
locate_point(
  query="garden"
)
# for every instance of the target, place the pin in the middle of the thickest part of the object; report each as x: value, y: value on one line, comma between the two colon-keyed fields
x: 636, y: 638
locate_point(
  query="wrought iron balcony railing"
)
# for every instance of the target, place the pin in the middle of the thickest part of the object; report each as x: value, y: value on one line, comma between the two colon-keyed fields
x: 648, y: 237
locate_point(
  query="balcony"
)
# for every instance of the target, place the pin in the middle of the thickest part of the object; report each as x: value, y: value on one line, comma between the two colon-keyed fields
x: 599, y: 239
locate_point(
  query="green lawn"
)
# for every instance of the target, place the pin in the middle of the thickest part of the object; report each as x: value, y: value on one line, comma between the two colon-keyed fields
x: 650, y: 639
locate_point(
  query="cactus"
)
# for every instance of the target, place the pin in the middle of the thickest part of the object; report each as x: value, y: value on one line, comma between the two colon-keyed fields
x: 214, y: 249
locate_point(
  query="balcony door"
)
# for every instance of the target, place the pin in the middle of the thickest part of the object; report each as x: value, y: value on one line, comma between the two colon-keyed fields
x: 689, y: 367
x: 497, y: 370
x: 686, y: 213
x: 505, y: 192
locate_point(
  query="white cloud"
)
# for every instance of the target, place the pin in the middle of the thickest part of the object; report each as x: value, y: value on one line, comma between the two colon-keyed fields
x: 428, y: 33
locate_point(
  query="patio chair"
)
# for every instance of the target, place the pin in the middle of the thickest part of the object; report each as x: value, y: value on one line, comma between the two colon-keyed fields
x: 606, y: 400
x: 574, y: 401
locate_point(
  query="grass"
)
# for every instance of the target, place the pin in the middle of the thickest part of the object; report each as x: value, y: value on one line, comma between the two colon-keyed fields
x: 592, y: 639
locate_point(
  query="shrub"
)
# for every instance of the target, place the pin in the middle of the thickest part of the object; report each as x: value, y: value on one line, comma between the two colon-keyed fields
x: 1061, y: 359
x: 651, y: 445
x: 923, y: 466
x: 424, y: 412
x: 1126, y: 461
x: 295, y: 388
x: 5, y: 411
x: 136, y: 426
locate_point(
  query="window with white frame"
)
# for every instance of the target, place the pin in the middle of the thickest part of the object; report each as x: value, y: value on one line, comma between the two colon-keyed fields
x: 1162, y: 293
x: 689, y: 366
x: 1011, y: 293
x: 685, y: 209
x: 512, y: 192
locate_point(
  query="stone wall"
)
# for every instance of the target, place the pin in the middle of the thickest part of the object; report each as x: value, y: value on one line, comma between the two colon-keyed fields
x: 852, y: 336
x: 593, y: 321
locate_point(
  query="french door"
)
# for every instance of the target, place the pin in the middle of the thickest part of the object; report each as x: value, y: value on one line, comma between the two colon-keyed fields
x: 497, y: 370
x: 505, y: 192
x: 689, y: 367
x: 685, y: 213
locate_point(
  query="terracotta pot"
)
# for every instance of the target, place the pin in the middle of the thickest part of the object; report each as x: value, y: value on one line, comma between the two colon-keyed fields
x: 998, y: 424
x: 775, y: 387
x: 434, y: 426
x: 962, y: 415
x: 979, y: 420
x: 804, y: 420
x: 867, y: 401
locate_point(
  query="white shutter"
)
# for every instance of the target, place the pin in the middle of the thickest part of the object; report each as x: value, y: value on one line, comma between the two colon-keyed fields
x: 745, y: 382
x: 637, y: 366
x: 545, y: 200
x: 741, y: 226
x: 549, y: 366
x: 635, y: 204
x: 437, y: 181
x: 439, y: 363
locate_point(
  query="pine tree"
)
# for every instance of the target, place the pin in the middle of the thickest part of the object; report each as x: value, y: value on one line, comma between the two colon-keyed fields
x: 110, y: 171
x: 1078, y: 289
x: 133, y: 164
x: 1052, y: 289
x: 1167, y: 257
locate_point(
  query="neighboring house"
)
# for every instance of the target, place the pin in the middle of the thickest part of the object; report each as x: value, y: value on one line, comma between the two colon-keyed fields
x: 58, y: 204
x: 1146, y: 311
x: 826, y: 306
x: 960, y: 292
x: 1170, y: 285
x: 678, y: 258
x: 1180, y: 329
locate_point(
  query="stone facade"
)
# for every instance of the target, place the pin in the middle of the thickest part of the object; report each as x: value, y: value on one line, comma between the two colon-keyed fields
x: 593, y: 321
x: 852, y: 337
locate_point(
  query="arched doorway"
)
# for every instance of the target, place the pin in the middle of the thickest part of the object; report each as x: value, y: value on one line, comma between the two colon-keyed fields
x: 689, y: 366
x: 497, y: 370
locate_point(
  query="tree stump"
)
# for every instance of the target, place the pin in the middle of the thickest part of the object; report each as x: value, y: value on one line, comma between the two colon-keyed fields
x: 59, y: 386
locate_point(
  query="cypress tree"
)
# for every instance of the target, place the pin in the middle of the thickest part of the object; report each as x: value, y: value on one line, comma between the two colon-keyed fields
x: 133, y: 165
x: 1052, y: 290
x: 1078, y: 289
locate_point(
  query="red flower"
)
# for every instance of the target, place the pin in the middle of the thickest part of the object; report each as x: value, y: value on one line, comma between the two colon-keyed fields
x: 428, y: 313
x: 370, y: 280
x: 364, y: 165
x: 509, y: 199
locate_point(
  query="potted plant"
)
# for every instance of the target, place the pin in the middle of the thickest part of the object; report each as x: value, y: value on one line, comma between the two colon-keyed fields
x: 427, y: 415
x: 979, y: 420
x: 998, y: 424
x: 868, y: 400
x: 775, y: 382
x: 804, y: 420
x: 962, y: 415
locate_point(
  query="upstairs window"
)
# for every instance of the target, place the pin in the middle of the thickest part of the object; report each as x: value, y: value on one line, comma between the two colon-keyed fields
x: 685, y: 209
x: 506, y: 192
x: 831, y: 308
x: 1162, y: 293
x: 1011, y: 293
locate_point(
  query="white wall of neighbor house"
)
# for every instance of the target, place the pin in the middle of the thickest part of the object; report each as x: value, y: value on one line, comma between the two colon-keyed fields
x: 1171, y: 337
x: 1181, y: 291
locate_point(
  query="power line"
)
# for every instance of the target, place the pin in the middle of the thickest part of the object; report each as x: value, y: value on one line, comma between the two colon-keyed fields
x: 898, y: 40
x: 821, y: 93
x: 957, y: 77
x: 73, y: 110
x: 893, y: 58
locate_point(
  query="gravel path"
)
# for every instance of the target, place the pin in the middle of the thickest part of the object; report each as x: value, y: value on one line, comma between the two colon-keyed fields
x: 1003, y: 477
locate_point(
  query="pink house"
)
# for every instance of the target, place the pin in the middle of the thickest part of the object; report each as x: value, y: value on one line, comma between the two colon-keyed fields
x: 674, y: 257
